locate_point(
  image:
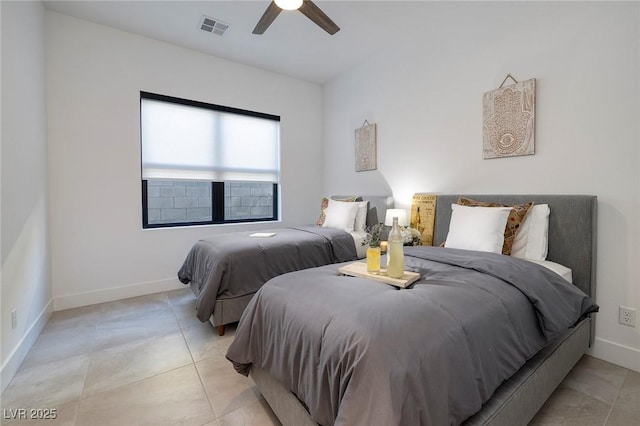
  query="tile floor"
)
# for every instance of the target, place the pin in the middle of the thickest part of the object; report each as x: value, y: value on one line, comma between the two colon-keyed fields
x: 149, y: 361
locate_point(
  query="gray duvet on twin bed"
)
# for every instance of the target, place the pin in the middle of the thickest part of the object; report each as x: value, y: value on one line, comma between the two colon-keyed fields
x: 362, y: 353
x: 236, y: 264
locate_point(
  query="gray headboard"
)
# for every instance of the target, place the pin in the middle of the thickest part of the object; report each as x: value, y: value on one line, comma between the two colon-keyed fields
x: 572, y: 230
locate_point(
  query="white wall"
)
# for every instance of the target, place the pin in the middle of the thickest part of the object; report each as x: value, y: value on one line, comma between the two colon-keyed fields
x: 426, y: 98
x: 25, y: 276
x: 94, y: 77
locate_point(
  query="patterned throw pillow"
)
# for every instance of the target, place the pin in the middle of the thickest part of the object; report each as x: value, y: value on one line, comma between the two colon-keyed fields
x: 516, y: 217
x: 325, y: 203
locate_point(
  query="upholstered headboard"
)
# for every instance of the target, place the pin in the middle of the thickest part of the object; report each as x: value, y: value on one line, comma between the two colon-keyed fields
x: 378, y: 205
x: 572, y: 229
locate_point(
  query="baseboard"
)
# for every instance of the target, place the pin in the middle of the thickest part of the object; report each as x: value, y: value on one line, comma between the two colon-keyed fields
x: 616, y: 353
x: 116, y: 293
x: 15, y: 358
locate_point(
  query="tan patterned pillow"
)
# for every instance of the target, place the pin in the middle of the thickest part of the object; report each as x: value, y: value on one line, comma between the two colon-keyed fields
x: 516, y: 217
x: 325, y: 203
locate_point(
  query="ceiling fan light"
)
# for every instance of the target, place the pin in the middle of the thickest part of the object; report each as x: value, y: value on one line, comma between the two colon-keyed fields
x: 289, y: 4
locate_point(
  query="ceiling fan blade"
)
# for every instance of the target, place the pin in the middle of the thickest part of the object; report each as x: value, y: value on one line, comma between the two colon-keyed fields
x: 313, y: 12
x: 267, y: 18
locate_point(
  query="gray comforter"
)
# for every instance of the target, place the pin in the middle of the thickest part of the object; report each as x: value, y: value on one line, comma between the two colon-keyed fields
x: 235, y: 264
x: 357, y: 352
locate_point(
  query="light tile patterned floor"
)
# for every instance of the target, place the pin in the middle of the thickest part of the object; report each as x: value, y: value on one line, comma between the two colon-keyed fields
x: 149, y: 361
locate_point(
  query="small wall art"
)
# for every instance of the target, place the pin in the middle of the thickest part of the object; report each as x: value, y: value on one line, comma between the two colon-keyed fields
x: 366, y: 147
x: 508, y: 118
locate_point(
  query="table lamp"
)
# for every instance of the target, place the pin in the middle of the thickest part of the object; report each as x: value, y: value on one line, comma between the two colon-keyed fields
x: 401, y: 214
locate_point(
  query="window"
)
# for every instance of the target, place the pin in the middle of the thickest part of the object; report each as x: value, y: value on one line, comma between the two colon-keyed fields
x: 207, y: 164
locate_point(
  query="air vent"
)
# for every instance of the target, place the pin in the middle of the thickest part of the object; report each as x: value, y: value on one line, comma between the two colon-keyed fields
x: 212, y: 25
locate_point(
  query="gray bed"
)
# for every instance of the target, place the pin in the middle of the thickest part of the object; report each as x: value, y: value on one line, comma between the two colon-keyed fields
x: 572, y: 242
x: 225, y: 270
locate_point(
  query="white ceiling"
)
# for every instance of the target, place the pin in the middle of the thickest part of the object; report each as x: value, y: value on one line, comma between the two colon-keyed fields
x: 293, y: 45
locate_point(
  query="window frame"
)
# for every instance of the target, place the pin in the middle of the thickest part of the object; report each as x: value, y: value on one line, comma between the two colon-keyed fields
x: 217, y: 187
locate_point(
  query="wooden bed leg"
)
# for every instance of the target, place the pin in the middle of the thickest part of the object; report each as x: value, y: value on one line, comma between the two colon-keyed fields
x: 221, y: 330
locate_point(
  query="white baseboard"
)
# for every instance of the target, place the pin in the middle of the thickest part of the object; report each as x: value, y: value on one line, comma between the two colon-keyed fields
x: 21, y: 350
x: 616, y: 353
x: 116, y: 293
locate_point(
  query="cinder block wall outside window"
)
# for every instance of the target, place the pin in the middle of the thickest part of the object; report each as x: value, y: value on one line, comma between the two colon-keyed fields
x: 248, y: 200
x: 177, y: 201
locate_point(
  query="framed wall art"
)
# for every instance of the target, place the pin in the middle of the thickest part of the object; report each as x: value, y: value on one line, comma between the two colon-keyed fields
x: 508, y: 120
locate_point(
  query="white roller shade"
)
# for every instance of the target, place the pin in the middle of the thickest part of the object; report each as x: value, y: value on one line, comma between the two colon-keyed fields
x: 188, y: 142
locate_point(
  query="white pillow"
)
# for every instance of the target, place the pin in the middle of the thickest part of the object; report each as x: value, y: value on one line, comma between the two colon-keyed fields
x: 361, y: 216
x: 341, y: 215
x: 477, y: 228
x: 532, y: 241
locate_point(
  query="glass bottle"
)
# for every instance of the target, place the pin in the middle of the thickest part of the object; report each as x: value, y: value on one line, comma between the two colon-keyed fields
x: 395, y: 253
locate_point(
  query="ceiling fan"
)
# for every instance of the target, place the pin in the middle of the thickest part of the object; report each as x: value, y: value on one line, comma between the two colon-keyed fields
x: 308, y: 9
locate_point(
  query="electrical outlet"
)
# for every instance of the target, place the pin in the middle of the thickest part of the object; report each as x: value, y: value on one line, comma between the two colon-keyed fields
x: 14, y: 319
x: 627, y: 316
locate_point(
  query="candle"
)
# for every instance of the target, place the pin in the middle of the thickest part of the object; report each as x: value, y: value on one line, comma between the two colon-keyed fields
x: 383, y: 246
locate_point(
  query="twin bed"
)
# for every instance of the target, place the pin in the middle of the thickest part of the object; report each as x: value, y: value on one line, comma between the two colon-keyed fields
x: 225, y: 271
x: 481, y: 338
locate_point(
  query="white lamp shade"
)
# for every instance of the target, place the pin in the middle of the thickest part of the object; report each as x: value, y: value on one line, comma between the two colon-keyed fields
x: 401, y: 214
x: 289, y: 4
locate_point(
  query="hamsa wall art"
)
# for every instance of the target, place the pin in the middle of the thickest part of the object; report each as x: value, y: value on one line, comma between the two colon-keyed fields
x: 508, y: 120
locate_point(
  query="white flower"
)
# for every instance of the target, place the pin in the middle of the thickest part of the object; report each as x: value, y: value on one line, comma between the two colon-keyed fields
x: 411, y: 236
